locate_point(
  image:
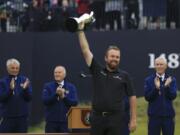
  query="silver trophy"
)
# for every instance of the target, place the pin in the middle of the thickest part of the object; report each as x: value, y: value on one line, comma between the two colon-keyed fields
x: 72, y: 23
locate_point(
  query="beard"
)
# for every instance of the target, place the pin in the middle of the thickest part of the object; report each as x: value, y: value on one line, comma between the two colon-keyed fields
x: 113, y: 65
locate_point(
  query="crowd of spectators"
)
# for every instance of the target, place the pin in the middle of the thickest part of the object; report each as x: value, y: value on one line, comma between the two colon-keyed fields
x: 50, y: 15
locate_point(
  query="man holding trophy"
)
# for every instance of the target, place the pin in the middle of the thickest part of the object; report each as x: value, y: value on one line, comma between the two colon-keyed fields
x: 110, y: 87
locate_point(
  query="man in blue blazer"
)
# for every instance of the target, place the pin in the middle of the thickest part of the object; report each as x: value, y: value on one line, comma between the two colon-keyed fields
x: 58, y: 96
x: 15, y: 94
x: 160, y: 91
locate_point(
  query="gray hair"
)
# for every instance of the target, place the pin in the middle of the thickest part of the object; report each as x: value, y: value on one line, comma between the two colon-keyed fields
x: 161, y: 58
x: 12, y: 61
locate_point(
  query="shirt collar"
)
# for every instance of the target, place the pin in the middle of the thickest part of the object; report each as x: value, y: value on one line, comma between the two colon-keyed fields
x: 61, y: 83
x: 12, y: 76
x: 162, y: 76
x: 115, y: 71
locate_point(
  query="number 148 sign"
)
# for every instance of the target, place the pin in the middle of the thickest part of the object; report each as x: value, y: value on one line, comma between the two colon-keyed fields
x: 172, y: 60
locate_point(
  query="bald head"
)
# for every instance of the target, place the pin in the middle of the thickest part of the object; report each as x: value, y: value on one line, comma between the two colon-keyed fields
x: 59, y: 73
x: 160, y: 65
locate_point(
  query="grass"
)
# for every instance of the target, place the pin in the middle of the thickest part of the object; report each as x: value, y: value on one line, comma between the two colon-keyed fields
x: 39, y: 128
x: 141, y: 121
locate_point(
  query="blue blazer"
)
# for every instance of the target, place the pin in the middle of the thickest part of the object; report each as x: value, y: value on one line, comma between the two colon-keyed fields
x: 56, y: 109
x: 14, y: 104
x: 160, y: 104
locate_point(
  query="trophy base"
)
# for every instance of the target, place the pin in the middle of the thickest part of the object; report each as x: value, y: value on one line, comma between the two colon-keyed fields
x: 71, y: 25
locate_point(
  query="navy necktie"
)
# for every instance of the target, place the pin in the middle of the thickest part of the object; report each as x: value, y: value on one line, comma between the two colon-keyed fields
x: 161, y: 81
x: 161, y: 85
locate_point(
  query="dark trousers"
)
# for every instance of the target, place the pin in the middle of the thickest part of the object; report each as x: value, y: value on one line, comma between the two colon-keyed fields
x: 56, y: 127
x: 113, y: 16
x: 132, y: 23
x: 112, y: 124
x: 14, y: 125
x: 125, y: 130
x: 3, y: 24
x: 172, y: 13
x: 158, y: 124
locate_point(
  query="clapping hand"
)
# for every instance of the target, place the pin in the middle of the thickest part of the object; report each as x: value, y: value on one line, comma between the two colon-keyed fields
x: 61, y: 92
x: 12, y: 84
x: 157, y: 82
x: 25, y: 84
x: 168, y: 81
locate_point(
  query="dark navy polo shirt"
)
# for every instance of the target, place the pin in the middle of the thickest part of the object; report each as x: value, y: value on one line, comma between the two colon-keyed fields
x: 109, y: 88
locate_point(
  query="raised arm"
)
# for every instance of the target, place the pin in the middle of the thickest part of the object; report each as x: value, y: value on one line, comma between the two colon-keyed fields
x: 84, y: 45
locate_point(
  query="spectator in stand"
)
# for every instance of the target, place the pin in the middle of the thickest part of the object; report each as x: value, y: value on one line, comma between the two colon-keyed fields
x: 172, y: 13
x: 57, y: 15
x: 3, y: 15
x: 66, y: 12
x: 179, y: 13
x: 83, y: 6
x: 33, y: 17
x: 3, y: 20
x: 113, y: 10
x: 132, y: 13
x: 99, y: 12
x: 155, y: 9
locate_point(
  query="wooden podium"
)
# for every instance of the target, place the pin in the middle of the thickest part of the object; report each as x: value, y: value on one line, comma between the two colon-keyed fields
x: 78, y: 117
